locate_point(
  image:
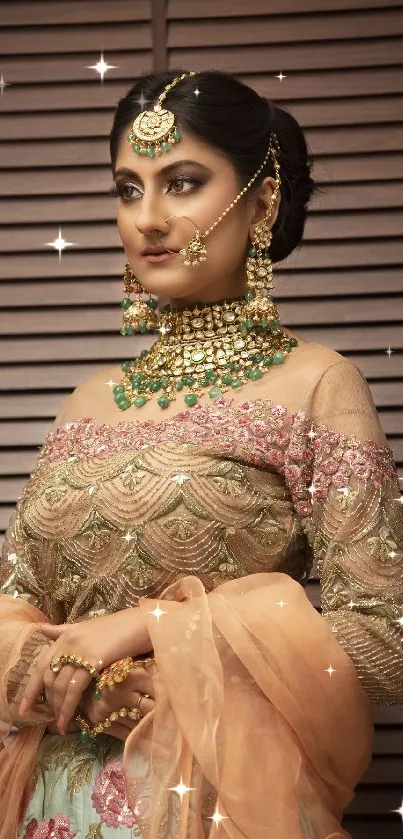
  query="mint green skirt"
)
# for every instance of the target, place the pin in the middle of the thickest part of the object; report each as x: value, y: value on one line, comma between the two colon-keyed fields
x: 78, y: 792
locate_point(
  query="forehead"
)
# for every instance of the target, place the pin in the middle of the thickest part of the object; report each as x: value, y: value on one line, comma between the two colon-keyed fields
x: 189, y: 147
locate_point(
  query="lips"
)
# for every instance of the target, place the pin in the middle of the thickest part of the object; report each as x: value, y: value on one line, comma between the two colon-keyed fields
x: 154, y: 249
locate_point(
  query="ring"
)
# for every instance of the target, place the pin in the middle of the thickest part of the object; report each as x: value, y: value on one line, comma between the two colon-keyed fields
x: 142, y: 696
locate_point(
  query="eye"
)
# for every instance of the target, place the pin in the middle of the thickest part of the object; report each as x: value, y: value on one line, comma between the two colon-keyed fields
x: 119, y: 189
x: 181, y: 181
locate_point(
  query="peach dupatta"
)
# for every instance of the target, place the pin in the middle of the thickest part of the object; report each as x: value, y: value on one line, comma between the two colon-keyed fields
x: 246, y: 698
x: 18, y: 620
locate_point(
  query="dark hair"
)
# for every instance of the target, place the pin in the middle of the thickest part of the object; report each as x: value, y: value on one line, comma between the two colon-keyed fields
x: 233, y: 118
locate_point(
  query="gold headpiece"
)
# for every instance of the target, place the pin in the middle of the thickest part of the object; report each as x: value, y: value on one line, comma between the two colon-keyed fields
x: 154, y: 132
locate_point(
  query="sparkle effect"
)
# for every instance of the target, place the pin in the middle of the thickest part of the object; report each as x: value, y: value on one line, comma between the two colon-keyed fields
x: 101, y: 67
x: 60, y: 244
x: 280, y: 76
x: 330, y: 670
x: 181, y: 789
x: 217, y: 818
x: 3, y: 84
x: 389, y: 352
x: 157, y: 613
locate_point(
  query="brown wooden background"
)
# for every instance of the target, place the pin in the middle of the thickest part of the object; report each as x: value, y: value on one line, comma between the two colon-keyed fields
x: 60, y: 320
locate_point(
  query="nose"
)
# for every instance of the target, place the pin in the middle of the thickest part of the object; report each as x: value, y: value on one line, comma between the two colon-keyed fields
x: 150, y: 216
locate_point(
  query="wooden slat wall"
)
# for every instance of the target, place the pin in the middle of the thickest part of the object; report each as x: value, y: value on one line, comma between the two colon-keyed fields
x: 60, y: 320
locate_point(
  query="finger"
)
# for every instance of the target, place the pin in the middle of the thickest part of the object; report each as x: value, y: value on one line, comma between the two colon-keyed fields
x: 67, y: 675
x: 32, y: 690
x: 72, y: 696
x: 118, y: 730
x: 53, y: 631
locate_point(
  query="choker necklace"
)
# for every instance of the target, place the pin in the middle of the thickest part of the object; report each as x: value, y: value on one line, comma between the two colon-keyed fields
x: 210, y: 347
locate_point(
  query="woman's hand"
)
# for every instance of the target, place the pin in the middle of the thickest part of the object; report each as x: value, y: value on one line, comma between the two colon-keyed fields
x: 100, y: 641
x: 126, y: 694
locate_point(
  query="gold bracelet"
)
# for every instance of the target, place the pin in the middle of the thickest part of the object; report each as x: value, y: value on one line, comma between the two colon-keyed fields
x: 117, y: 672
x: 88, y: 732
x: 58, y: 662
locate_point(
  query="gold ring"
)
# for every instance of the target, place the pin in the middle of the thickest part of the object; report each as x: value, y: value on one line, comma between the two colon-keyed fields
x: 142, y: 696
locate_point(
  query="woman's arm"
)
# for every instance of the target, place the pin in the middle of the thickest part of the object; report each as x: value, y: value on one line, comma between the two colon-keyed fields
x: 355, y: 529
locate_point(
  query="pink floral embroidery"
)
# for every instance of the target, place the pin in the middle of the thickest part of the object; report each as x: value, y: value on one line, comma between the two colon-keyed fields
x: 56, y: 828
x: 259, y: 432
x: 109, y: 798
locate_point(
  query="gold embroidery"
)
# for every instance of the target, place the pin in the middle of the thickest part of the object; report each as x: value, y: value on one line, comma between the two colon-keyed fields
x: 95, y: 831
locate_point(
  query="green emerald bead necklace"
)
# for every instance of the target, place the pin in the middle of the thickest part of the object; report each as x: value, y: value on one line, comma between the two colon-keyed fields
x: 210, y: 348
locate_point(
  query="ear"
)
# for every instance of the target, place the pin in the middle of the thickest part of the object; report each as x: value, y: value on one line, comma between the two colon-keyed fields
x: 262, y: 203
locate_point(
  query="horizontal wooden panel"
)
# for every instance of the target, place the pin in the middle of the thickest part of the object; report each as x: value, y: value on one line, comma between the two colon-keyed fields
x: 57, y: 348
x: 77, y: 40
x: 317, y: 114
x: 179, y: 9
x: 10, y: 491
x: 330, y: 83
x: 291, y: 58
x: 322, y: 26
x: 289, y: 285
x: 335, y: 140
x: 336, y: 197
x: 19, y: 462
x: 53, y: 376
x: 52, y: 320
x: 75, y: 263
x: 91, y: 94
x: 95, y: 180
x: 73, y: 11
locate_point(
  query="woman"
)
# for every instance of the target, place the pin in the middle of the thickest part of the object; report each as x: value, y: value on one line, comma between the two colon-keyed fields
x: 165, y: 670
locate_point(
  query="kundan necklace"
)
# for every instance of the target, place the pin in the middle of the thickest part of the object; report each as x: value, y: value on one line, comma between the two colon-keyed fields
x: 208, y: 348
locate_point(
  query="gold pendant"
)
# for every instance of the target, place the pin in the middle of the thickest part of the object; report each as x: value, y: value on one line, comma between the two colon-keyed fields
x: 195, y: 251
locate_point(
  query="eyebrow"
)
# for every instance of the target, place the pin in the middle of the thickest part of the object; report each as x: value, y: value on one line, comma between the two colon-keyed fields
x: 125, y: 171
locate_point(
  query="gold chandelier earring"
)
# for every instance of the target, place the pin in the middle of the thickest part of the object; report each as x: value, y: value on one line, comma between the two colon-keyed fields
x: 260, y: 308
x: 138, y: 315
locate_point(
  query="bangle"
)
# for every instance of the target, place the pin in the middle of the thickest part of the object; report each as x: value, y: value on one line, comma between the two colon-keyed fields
x: 117, y: 672
x: 88, y: 732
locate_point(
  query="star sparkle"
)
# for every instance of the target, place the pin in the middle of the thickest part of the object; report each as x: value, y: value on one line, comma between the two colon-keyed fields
x: 389, y: 352
x: 280, y: 76
x: 157, y: 612
x: 180, y: 478
x: 181, y: 789
x: 400, y: 811
x: 281, y: 603
x: 312, y: 434
x: 111, y: 384
x: 197, y: 92
x: 142, y: 100
x: 101, y: 67
x: 128, y: 537
x: 60, y: 244
x: 217, y: 818
x: 3, y: 84
x: 330, y: 670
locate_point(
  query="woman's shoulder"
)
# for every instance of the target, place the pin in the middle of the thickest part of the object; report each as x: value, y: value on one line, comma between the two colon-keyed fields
x: 92, y: 397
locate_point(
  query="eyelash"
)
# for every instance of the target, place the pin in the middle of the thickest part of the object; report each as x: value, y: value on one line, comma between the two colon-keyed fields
x: 119, y: 189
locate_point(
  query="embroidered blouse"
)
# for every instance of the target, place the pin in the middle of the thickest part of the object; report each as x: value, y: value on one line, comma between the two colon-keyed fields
x: 301, y: 474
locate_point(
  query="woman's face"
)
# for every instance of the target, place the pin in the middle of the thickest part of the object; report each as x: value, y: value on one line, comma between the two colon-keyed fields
x: 193, y: 179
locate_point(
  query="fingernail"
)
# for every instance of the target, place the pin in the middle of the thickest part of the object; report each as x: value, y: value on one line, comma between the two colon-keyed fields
x: 23, y: 707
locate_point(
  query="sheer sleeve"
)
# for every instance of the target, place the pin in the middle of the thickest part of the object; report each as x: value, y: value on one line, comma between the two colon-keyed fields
x: 354, y: 526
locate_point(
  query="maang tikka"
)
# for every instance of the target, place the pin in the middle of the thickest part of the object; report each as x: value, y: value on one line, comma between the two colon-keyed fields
x: 217, y: 345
